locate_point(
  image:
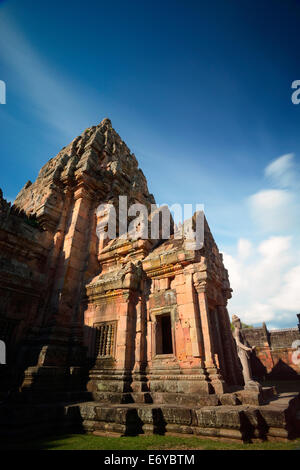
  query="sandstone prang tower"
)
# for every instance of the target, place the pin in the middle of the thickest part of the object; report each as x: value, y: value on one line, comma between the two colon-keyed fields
x: 132, y: 335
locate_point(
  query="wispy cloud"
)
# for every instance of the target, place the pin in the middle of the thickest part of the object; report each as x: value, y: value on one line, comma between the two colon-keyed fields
x: 282, y: 171
x: 55, y: 99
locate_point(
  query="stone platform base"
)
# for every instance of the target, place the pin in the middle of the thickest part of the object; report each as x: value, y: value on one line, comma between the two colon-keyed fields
x: 277, y: 420
x: 280, y: 419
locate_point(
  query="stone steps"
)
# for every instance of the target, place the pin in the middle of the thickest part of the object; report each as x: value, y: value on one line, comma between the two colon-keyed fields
x: 279, y: 419
x: 276, y: 420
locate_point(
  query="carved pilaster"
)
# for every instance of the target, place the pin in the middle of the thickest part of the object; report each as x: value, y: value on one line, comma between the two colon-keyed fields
x: 211, y: 359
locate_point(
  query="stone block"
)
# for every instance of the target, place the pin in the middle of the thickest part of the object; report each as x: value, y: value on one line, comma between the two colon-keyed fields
x: 229, y: 399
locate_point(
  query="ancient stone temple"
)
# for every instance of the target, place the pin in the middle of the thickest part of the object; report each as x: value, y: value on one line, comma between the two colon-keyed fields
x: 128, y: 334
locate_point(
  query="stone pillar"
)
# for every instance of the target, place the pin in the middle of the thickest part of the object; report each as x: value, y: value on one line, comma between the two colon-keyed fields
x: 141, y: 335
x: 229, y: 348
x: 210, y: 362
x: 219, y: 346
x: 126, y: 332
x: 189, y: 346
x: 140, y: 380
x: 150, y: 334
x: 195, y: 334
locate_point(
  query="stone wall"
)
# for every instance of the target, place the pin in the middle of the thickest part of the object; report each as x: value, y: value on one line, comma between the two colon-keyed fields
x: 23, y: 255
x: 274, y: 355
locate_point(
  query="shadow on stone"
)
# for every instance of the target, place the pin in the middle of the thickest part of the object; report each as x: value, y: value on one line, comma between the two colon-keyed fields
x: 133, y: 423
x: 283, y: 371
x: 159, y: 423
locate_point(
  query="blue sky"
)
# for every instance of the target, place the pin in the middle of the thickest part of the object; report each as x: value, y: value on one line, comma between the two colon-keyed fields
x: 200, y: 92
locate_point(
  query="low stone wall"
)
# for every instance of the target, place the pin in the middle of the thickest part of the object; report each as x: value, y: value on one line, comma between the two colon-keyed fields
x: 274, y: 355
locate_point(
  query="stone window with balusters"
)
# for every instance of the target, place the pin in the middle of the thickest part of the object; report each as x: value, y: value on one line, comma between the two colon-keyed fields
x: 105, y: 339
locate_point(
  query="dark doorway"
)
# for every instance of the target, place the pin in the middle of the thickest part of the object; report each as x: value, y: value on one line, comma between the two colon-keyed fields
x: 164, y: 335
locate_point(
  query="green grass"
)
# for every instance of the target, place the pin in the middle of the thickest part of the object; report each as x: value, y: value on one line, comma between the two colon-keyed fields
x: 152, y: 442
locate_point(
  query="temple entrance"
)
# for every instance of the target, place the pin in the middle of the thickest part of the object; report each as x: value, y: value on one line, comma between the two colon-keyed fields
x: 164, y: 344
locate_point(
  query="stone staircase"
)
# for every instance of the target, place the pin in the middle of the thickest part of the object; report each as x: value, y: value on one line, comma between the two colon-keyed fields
x: 278, y: 419
x: 213, y: 416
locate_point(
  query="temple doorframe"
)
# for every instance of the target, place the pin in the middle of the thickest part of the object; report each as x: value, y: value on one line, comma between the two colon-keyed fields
x: 154, y: 314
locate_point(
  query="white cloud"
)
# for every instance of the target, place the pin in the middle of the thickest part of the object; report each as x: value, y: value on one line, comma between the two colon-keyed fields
x: 265, y: 283
x: 289, y: 296
x: 265, y: 276
x: 274, y: 247
x: 258, y: 313
x: 273, y: 209
x: 244, y: 248
x: 281, y: 170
